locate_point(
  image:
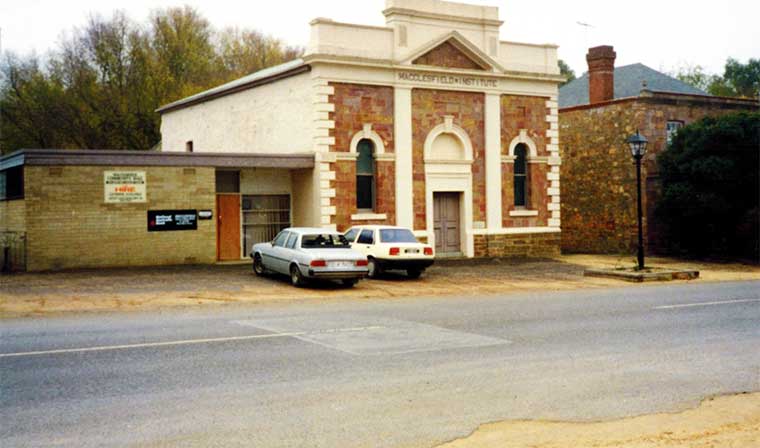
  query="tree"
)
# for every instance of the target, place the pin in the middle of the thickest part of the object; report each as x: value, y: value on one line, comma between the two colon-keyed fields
x: 694, y: 75
x: 101, y: 86
x: 742, y: 80
x: 738, y: 80
x: 566, y: 71
x: 711, y: 188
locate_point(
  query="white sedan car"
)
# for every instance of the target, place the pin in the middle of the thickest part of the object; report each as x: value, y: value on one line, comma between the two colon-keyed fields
x: 389, y: 248
x: 310, y: 253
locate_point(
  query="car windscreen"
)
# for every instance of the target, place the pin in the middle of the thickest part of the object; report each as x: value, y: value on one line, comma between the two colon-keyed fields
x: 324, y: 241
x: 397, y: 236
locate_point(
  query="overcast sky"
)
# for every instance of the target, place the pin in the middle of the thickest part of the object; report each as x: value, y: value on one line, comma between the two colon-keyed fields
x: 662, y: 34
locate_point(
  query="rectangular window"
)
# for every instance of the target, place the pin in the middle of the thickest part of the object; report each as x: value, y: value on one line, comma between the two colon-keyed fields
x: 264, y: 216
x: 12, y: 183
x: 673, y: 127
x: 189, y: 146
x: 521, y: 176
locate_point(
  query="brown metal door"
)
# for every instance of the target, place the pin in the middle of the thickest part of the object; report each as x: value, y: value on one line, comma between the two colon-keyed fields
x: 228, y: 226
x: 446, y: 222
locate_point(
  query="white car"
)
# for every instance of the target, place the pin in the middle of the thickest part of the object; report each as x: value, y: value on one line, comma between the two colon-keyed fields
x: 310, y: 253
x: 389, y: 248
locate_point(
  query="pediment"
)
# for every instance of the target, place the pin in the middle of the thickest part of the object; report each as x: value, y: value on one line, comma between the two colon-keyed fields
x: 453, y: 51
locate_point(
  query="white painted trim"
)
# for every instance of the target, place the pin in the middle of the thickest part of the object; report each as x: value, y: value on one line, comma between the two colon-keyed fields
x: 370, y: 135
x: 517, y: 230
x: 387, y: 157
x: 448, y: 127
x: 523, y: 138
x: 494, y: 212
x: 523, y: 213
x: 487, y: 63
x: 368, y: 216
x: 402, y: 134
x: 344, y: 155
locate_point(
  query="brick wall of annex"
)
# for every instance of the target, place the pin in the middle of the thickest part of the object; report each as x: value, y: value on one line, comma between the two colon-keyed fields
x: 70, y: 226
x: 599, y: 176
x: 356, y: 105
x: 429, y: 107
x: 529, y: 113
x: 13, y: 215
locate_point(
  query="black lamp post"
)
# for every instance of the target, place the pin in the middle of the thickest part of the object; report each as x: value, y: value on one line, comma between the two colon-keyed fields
x: 638, y: 144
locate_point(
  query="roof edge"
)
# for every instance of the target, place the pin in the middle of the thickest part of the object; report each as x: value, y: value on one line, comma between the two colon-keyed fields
x: 111, y: 157
x: 213, y: 94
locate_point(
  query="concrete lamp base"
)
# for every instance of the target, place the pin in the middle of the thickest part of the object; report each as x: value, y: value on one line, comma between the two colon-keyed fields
x: 645, y: 275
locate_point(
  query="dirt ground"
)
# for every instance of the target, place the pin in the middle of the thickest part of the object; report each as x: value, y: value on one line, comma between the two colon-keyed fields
x: 729, y: 421
x: 29, y: 294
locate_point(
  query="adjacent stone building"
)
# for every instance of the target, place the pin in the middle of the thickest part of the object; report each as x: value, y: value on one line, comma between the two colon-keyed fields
x: 430, y: 122
x: 598, y: 112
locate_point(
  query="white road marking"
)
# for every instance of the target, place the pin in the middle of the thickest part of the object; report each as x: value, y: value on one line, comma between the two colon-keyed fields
x: 181, y: 342
x: 687, y: 305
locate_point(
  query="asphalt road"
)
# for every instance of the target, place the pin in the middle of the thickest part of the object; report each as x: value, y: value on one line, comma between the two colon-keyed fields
x: 405, y: 372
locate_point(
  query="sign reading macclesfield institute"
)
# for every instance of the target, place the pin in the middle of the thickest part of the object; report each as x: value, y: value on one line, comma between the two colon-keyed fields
x: 124, y: 186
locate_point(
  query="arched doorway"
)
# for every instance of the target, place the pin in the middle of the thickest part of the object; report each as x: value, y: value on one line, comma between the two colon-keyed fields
x: 448, y: 185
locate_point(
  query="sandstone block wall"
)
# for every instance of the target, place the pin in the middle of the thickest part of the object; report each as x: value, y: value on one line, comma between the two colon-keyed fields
x: 599, y: 175
x: 355, y: 106
x: 429, y: 107
x: 69, y: 225
x: 534, y: 245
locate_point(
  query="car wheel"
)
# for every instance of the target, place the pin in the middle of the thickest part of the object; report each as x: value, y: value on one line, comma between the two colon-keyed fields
x: 296, y: 278
x: 373, y: 268
x: 349, y: 282
x: 258, y: 265
x: 413, y: 273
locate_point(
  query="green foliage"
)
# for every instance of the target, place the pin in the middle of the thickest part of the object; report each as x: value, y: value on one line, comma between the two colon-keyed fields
x: 566, y: 71
x: 711, y: 188
x: 100, y: 88
x: 738, y: 80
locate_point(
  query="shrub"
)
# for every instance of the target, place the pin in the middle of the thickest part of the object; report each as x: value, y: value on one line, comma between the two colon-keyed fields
x: 711, y: 188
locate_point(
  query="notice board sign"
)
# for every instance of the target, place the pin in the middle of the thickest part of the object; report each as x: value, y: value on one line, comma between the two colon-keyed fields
x: 124, y: 186
x: 162, y: 220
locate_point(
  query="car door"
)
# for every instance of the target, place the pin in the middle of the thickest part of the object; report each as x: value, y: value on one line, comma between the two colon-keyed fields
x: 272, y: 256
x: 287, y: 252
x: 365, y: 242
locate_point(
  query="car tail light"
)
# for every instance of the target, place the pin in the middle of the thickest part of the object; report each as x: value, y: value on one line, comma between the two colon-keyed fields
x: 318, y: 263
x: 394, y: 251
x: 428, y: 251
x: 361, y: 262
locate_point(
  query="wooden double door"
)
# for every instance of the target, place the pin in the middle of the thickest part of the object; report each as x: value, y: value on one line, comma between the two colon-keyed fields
x: 446, y: 223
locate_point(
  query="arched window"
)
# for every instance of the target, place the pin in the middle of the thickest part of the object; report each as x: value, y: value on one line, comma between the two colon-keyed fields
x: 521, y: 175
x: 365, y: 175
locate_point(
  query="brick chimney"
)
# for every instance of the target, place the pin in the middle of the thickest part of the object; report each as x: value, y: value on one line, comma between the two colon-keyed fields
x: 601, y: 77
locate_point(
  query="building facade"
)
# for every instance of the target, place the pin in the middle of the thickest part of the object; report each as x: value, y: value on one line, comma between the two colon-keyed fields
x: 598, y: 112
x: 430, y: 122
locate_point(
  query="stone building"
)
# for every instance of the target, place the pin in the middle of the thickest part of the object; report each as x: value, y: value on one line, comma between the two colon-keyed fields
x: 430, y: 122
x: 598, y: 112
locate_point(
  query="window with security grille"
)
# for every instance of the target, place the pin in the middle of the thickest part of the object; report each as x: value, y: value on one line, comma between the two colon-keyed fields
x: 264, y: 216
x: 365, y: 175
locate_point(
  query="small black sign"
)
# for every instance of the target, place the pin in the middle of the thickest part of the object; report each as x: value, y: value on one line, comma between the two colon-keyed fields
x: 205, y: 214
x: 160, y: 220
